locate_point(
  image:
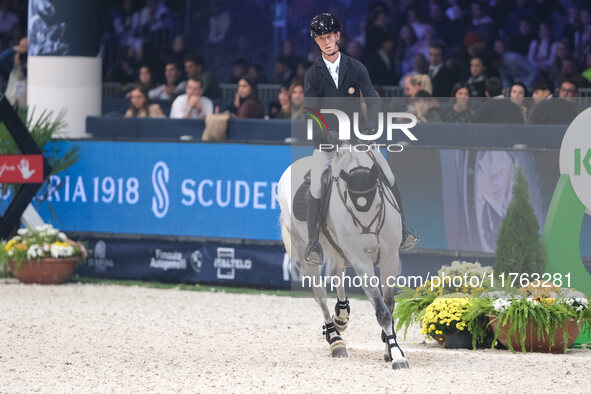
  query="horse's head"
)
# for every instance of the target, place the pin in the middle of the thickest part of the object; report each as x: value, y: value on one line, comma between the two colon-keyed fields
x: 361, y: 177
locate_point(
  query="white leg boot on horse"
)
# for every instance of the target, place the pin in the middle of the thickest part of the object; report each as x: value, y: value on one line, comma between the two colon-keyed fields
x: 341, y: 308
x: 387, y: 271
x: 332, y: 335
x: 384, y: 317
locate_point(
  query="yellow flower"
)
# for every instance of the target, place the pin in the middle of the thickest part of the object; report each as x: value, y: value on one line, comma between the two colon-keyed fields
x: 58, y: 243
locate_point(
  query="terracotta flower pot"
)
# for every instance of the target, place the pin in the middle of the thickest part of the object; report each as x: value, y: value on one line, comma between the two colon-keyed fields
x: 47, y: 271
x: 532, y: 343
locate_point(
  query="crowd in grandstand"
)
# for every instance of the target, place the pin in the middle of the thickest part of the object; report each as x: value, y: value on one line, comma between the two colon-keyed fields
x: 431, y: 48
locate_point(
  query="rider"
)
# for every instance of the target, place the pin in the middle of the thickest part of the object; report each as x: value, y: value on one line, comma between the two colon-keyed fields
x: 337, y: 75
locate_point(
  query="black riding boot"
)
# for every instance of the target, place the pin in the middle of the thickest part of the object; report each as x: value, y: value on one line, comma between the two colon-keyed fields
x: 314, y: 250
x: 409, y: 237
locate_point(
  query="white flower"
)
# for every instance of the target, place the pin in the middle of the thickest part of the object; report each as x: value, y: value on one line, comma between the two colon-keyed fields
x: 22, y: 231
x: 46, y: 247
x: 10, y: 252
x: 501, y: 304
x: 62, y: 237
x: 34, y: 251
x: 51, y: 232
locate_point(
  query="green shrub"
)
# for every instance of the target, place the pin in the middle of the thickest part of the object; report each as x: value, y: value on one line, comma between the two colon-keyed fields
x: 519, y: 247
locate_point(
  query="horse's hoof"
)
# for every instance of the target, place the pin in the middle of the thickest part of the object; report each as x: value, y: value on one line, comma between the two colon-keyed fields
x: 340, y: 324
x: 400, y: 364
x: 339, y: 351
x: 387, y: 358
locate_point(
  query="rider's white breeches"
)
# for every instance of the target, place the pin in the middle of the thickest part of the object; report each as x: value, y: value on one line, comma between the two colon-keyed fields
x: 321, y: 160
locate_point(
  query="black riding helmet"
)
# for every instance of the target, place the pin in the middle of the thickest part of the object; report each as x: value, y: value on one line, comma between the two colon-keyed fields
x: 324, y: 24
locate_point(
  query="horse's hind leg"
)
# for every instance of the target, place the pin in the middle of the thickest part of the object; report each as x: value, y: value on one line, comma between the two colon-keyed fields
x: 383, y: 315
x: 341, y: 308
x: 330, y: 331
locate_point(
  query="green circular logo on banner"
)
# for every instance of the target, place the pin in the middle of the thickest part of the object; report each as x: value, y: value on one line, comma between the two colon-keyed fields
x: 575, y: 157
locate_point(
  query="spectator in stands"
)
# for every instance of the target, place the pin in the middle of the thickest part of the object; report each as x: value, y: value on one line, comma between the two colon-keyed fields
x: 219, y: 24
x: 419, y: 66
x: 288, y: 55
x: 477, y: 77
x: 14, y: 62
x: 375, y: 29
x: 441, y: 78
x: 521, y: 41
x: 569, y: 90
x: 172, y: 88
x: 407, y: 49
x: 426, y: 108
x: 155, y: 16
x: 178, y: 50
x: 296, y: 94
x: 353, y: 49
x: 246, y: 103
x: 281, y: 109
x: 282, y: 72
x: 542, y: 50
x: 255, y: 74
x: 140, y: 105
x: 517, y: 94
x: 521, y: 9
x: 127, y: 24
x: 193, y: 104
x: 542, y: 89
x: 570, y: 70
x: 497, y: 109
x: 513, y: 67
x: 302, y: 67
x: 380, y: 64
x: 144, y: 81
x: 8, y: 19
x: 550, y: 110
x: 195, y: 69
x: 460, y: 111
x: 482, y: 23
x: 239, y: 70
x: 414, y: 83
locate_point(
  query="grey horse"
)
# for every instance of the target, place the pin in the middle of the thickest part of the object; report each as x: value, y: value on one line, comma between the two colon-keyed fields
x: 365, y: 228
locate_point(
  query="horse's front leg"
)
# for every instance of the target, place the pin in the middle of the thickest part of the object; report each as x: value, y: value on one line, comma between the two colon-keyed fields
x: 387, y: 277
x: 371, y: 287
x: 330, y: 331
x: 341, y: 308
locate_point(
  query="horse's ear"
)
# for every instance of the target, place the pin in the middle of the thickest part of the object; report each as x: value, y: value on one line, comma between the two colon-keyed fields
x: 344, y: 175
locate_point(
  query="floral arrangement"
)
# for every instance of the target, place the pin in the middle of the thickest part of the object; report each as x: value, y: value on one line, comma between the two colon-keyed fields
x: 445, y: 316
x: 411, y: 308
x: 548, y: 307
x: 39, y: 243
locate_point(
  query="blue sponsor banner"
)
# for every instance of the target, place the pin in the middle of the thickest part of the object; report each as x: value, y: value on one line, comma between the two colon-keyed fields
x: 188, y: 262
x: 183, y: 189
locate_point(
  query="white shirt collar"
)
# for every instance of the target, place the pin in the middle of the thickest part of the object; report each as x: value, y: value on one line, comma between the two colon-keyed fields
x: 333, y: 68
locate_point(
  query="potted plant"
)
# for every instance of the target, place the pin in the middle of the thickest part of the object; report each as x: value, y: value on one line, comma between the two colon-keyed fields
x: 445, y: 317
x: 42, y: 255
x: 412, y: 303
x: 536, y: 323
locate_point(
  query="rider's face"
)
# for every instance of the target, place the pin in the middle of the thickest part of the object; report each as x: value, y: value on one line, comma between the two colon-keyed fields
x: 328, y: 42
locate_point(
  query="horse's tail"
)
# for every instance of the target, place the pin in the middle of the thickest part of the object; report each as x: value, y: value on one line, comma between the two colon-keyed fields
x: 285, y: 219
